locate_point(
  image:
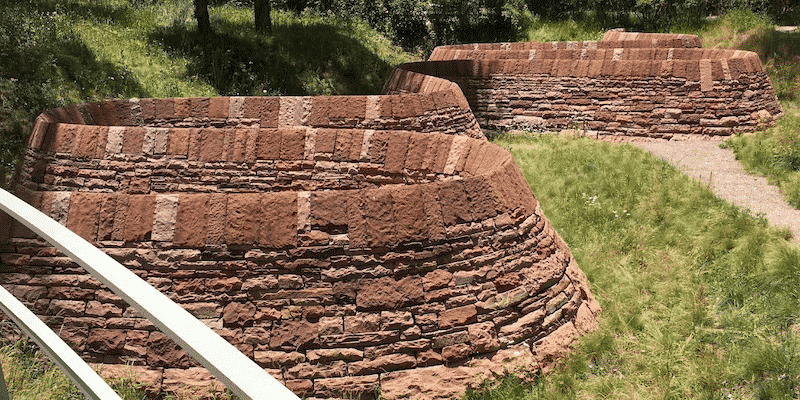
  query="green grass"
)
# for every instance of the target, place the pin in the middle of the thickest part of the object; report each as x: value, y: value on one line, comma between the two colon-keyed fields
x: 305, y: 55
x: 774, y: 153
x: 30, y: 375
x: 541, y: 30
x: 699, y: 297
x: 61, y: 52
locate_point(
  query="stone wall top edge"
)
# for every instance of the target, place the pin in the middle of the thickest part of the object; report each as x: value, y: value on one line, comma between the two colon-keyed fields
x: 606, y: 53
x: 599, y: 68
x: 385, y: 216
x: 132, y: 112
x: 242, y: 145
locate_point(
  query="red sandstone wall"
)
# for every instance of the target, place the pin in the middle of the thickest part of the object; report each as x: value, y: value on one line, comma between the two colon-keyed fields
x: 347, y: 243
x: 439, y: 53
x: 652, y: 92
x: 621, y: 36
x: 439, y: 106
x: 341, y: 260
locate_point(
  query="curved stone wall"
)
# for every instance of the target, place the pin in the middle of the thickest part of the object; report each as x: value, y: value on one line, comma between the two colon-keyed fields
x: 437, y: 106
x: 341, y: 259
x: 349, y: 243
x: 611, y: 88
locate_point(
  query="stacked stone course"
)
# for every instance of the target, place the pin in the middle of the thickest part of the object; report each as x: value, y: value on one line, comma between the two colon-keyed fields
x: 628, y: 85
x: 341, y: 259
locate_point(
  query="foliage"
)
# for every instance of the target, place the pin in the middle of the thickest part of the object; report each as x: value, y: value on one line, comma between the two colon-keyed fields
x: 541, y: 30
x: 31, y: 375
x: 421, y: 25
x: 44, y: 65
x: 61, y: 52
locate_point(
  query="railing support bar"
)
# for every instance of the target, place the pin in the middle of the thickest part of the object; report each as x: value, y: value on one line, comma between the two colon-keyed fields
x: 236, y: 371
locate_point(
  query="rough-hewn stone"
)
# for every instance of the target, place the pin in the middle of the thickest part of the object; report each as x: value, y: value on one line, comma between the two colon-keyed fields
x: 350, y: 243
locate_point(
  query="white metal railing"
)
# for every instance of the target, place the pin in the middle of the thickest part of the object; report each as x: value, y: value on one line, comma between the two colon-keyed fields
x: 78, y: 371
x: 236, y: 371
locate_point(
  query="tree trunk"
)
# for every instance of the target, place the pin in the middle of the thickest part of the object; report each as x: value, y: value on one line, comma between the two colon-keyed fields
x: 263, y: 21
x: 201, y: 14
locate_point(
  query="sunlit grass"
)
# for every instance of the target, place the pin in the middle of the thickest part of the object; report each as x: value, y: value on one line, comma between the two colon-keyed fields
x: 31, y: 375
x: 774, y: 153
x: 694, y: 291
x: 542, y: 30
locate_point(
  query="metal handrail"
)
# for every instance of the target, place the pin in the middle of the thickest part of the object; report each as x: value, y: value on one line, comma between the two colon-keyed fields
x: 77, y: 370
x: 236, y: 371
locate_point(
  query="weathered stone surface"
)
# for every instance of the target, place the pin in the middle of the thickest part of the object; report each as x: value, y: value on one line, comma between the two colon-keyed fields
x: 108, y: 341
x: 141, y: 374
x: 458, y: 316
x: 555, y: 345
x: 346, y: 242
x: 355, y: 387
x: 298, y: 335
x: 187, y: 382
x: 238, y: 313
x: 163, y: 352
x: 388, y: 294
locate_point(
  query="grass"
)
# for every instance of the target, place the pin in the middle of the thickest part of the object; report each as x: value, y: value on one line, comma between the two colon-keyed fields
x: 774, y: 153
x: 541, y: 30
x: 60, y: 52
x: 305, y: 55
x: 698, y: 296
x: 30, y: 375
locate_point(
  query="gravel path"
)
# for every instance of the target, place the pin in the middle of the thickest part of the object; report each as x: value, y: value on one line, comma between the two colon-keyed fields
x: 706, y: 162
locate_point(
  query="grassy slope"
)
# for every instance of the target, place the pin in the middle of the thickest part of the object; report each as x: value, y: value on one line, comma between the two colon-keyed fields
x: 60, y: 52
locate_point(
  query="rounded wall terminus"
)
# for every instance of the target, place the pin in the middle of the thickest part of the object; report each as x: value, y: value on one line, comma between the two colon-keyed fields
x: 342, y: 255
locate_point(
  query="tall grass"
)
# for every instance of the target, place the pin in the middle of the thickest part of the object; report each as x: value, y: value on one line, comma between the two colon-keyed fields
x: 542, y: 30
x: 30, y: 375
x: 698, y: 296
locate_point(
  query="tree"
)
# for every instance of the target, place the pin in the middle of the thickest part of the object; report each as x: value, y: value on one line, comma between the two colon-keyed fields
x: 263, y: 21
x: 201, y: 14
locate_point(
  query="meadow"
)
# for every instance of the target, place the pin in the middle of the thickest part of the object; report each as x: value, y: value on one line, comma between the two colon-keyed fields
x: 700, y: 298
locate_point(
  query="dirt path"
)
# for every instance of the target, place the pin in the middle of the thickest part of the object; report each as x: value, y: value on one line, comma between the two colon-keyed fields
x: 706, y: 162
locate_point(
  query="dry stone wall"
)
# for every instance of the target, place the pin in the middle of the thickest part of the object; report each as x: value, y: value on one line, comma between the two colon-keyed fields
x: 631, y: 85
x: 352, y: 243
x: 343, y: 255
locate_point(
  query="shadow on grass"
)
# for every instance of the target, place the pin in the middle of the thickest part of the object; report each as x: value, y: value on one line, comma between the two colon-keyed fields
x: 297, y: 59
x: 83, y: 9
x: 42, y: 68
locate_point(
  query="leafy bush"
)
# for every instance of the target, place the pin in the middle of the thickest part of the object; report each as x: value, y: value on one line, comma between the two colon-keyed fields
x: 421, y: 25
